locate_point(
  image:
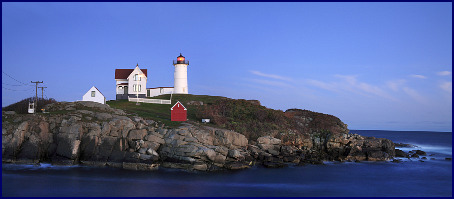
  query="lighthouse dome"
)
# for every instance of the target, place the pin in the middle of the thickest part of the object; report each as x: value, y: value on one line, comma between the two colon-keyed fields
x: 181, y: 60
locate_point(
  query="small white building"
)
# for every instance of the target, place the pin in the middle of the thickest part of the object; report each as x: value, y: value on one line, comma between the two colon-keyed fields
x: 94, y: 95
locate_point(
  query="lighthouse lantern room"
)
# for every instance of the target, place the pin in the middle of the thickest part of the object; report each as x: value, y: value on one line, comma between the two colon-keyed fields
x: 181, y: 75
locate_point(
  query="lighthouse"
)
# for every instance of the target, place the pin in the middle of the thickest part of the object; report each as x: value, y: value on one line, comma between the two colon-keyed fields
x: 181, y: 75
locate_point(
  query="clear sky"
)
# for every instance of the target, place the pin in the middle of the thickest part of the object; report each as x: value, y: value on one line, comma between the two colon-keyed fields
x: 384, y: 66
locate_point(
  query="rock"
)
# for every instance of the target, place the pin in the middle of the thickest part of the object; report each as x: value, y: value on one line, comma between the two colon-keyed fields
x: 137, y: 134
x: 274, y: 164
x: 196, y: 103
x: 397, y: 160
x: 200, y: 167
x: 234, y: 154
x: 68, y: 147
x: 236, y: 166
x: 10, y: 112
x: 142, y: 150
x: 419, y: 152
x: 405, y: 145
x: 448, y: 159
x: 273, y: 152
x: 268, y: 140
x: 219, y: 158
x: 414, y: 155
x: 141, y: 126
x: 266, y: 146
x: 150, y: 151
x: 255, y: 102
x: 400, y: 153
x: 228, y: 138
x: 155, y: 137
x: 139, y: 166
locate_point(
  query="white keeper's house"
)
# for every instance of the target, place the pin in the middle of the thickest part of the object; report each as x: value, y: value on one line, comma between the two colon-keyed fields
x: 133, y: 82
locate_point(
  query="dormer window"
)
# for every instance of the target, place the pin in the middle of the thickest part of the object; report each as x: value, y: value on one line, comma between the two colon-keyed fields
x: 137, y: 77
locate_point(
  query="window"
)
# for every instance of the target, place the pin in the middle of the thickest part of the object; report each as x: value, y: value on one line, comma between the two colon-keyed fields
x: 93, y: 93
x: 135, y: 88
x: 137, y: 77
x: 120, y: 87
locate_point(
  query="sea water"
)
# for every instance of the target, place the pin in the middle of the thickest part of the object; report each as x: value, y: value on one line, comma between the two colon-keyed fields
x: 411, y: 177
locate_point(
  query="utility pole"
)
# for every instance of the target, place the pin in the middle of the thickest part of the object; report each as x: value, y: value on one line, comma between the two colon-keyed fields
x: 37, y: 82
x: 42, y: 92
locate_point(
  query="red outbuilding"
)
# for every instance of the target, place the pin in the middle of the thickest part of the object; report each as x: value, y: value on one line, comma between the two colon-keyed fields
x: 178, y: 112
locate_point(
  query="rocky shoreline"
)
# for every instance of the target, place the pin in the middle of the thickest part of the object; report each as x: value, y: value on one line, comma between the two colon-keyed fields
x: 93, y: 134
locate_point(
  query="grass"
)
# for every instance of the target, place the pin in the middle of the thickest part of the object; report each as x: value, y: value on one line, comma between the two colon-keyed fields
x: 161, y: 112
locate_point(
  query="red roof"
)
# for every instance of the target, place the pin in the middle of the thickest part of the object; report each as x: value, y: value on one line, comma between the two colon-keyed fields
x: 123, y: 84
x: 124, y: 73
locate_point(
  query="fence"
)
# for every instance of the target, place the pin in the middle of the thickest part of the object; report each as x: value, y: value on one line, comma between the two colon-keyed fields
x: 151, y: 101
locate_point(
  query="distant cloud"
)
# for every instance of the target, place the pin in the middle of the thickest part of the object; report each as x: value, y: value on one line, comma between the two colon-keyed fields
x: 395, y: 85
x: 273, y: 76
x: 322, y: 85
x: 414, y: 94
x: 350, y: 83
x: 419, y: 76
x: 444, y: 73
x: 447, y: 86
x: 271, y: 83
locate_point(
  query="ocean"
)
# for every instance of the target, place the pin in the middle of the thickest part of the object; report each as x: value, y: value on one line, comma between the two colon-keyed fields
x: 411, y: 177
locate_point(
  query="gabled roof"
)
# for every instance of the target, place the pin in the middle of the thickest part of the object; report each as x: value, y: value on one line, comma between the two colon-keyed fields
x: 98, y: 90
x: 124, y: 73
x: 178, y: 102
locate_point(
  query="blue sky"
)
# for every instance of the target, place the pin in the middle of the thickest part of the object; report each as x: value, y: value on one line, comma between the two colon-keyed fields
x: 381, y: 66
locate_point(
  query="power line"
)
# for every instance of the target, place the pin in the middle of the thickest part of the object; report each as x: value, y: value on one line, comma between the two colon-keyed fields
x: 17, y: 90
x: 15, y: 79
x: 14, y: 84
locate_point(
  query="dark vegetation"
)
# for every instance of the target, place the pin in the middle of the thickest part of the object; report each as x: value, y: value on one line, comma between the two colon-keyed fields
x: 21, y: 107
x: 245, y: 117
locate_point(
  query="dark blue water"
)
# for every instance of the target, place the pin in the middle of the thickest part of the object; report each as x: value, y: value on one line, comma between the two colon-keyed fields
x: 408, y: 178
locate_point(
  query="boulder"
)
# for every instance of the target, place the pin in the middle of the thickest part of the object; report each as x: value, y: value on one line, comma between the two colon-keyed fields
x: 236, y: 166
x: 200, y: 167
x: 268, y: 140
x: 400, y: 153
x: 137, y: 134
x: 235, y: 154
x: 155, y: 137
x: 150, y: 151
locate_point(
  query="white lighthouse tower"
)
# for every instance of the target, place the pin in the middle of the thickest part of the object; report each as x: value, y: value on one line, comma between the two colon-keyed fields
x: 181, y: 75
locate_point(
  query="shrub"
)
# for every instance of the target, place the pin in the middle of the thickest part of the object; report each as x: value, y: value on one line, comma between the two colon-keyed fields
x: 21, y: 107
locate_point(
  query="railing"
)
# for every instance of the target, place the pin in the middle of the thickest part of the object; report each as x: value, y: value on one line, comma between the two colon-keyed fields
x: 181, y: 62
x: 150, y: 101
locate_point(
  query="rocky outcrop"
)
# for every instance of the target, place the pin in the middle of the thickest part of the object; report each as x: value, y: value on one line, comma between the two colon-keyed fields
x: 94, y: 134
